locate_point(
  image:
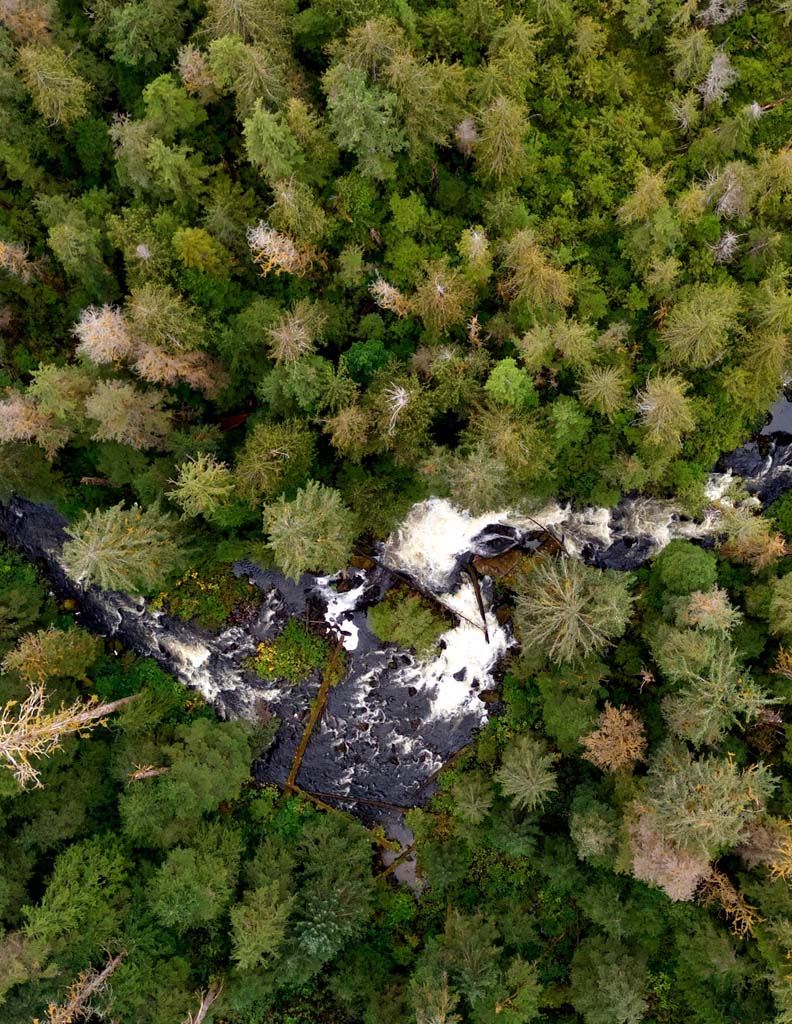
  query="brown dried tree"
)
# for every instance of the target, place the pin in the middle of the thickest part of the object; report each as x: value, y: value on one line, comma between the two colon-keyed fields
x: 618, y: 742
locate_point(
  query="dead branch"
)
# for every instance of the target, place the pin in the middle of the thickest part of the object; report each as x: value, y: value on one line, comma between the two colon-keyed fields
x: 146, y: 771
x: 87, y: 984
x: 317, y: 708
x: 207, y: 998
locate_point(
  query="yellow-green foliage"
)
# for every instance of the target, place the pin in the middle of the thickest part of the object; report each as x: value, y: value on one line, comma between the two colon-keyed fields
x: 294, y: 655
x: 409, y: 620
x: 209, y: 600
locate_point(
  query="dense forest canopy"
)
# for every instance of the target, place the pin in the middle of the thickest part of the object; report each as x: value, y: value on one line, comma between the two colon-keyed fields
x: 273, y: 271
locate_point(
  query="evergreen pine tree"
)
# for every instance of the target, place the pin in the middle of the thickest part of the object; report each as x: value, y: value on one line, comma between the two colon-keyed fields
x: 312, y: 532
x: 125, y: 549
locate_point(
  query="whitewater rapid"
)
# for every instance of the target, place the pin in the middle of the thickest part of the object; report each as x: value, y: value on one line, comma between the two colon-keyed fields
x: 393, y: 719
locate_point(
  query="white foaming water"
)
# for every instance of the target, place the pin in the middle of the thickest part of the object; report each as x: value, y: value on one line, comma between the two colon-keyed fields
x: 428, y: 546
x: 340, y: 608
x: 435, y: 534
x: 430, y: 540
x: 467, y: 654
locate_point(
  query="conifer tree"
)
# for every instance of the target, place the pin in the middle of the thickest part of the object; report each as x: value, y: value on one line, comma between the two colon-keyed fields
x: 531, y: 277
x: 500, y: 148
x: 443, y: 299
x: 204, y: 486
x: 296, y: 211
x: 53, y: 652
x: 254, y: 21
x: 363, y: 120
x: 372, y: 45
x: 251, y: 73
x: 660, y: 862
x: 258, y: 925
x: 751, y: 539
x: 275, y: 457
x: 608, y: 982
x: 22, y: 419
x: 697, y: 329
x: 781, y: 606
x: 526, y: 774
x: 703, y: 805
x: 274, y: 250
x: 604, y: 389
x: 665, y: 410
x: 162, y: 318
x: 270, y: 144
x: 313, y: 532
x: 14, y: 260
x: 430, y: 98
x: 27, y: 20
x: 294, y: 335
x: 194, y: 70
x: 473, y: 798
x: 122, y: 549
x: 86, y: 985
x: 713, y: 698
x: 569, y: 610
x: 618, y: 742
x: 59, y: 94
x: 128, y: 415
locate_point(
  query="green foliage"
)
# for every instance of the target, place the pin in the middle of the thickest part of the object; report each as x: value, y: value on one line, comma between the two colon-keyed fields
x: 259, y: 926
x: 314, y: 531
x: 504, y: 253
x: 293, y: 655
x: 608, y: 984
x: 84, y: 899
x: 275, y: 457
x: 53, y: 652
x: 683, y: 567
x: 780, y: 610
x: 568, y: 610
x: 208, y: 763
x: 408, y: 620
x: 702, y: 805
x: 59, y: 94
x: 526, y: 775
x: 209, y: 599
x: 509, y: 385
x: 194, y: 885
x: 122, y: 549
x: 21, y: 595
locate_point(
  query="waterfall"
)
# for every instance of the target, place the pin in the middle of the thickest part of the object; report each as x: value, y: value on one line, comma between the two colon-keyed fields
x: 392, y: 720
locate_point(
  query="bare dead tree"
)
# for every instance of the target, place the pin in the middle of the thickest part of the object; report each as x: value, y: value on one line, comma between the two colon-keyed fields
x: 29, y: 732
x: 86, y: 985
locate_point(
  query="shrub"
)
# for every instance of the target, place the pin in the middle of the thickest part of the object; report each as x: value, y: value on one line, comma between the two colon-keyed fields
x: 683, y: 567
x: 294, y: 655
x: 408, y: 620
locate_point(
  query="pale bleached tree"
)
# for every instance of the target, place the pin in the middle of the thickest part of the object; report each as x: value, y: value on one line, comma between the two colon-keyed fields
x: 103, y: 335
x: 30, y: 732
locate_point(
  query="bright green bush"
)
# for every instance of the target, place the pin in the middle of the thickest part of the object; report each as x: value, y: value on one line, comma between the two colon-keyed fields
x: 408, y: 620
